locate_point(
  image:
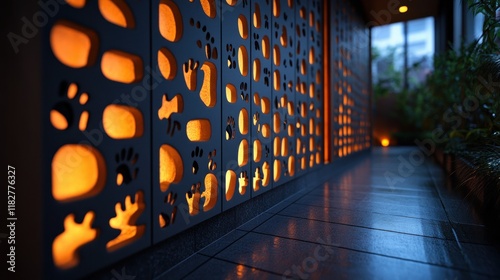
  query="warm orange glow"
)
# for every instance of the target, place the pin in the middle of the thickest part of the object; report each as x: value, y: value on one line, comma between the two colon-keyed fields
x: 276, y: 8
x: 209, y: 8
x: 266, y: 170
x: 256, y: 70
x: 117, y: 12
x: 256, y: 16
x: 284, y: 37
x: 65, y: 246
x: 199, y: 130
x: 170, y: 21
x: 84, y: 119
x: 326, y: 80
x: 122, y: 122
x: 74, y: 45
x: 231, y: 93
x: 243, y: 121
x: 284, y: 147
x: 121, y: 67
x: 403, y: 9
x: 277, y: 122
x: 193, y: 199
x: 169, y: 107
x: 58, y: 120
x: 171, y: 167
x: 312, y: 90
x: 243, y: 182
x: 190, y: 73
x: 265, y: 105
x: 257, y: 180
x: 276, y: 55
x: 311, y: 56
x: 243, y: 153
x: 208, y: 92
x: 266, y: 131
x: 78, y: 4
x: 311, y: 126
x: 125, y: 221
x: 257, y: 150
x: 266, y: 47
x: 78, y: 172
x: 243, y: 60
x: 311, y: 19
x: 291, y: 130
x: 230, y: 184
x: 385, y: 142
x: 167, y: 64
x: 290, y: 108
x: 302, y: 13
x: 277, y: 170
x: 291, y: 165
x: 243, y: 27
x: 303, y: 68
x: 277, y: 80
x: 210, y: 193
x: 276, y: 146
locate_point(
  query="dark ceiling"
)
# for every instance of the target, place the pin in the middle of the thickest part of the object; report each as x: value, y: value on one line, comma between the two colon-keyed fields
x: 380, y: 12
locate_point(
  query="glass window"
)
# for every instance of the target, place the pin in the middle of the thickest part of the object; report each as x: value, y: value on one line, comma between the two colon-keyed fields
x: 388, y: 54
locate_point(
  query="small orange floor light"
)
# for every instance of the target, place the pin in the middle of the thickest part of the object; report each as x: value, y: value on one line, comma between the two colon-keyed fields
x: 385, y: 142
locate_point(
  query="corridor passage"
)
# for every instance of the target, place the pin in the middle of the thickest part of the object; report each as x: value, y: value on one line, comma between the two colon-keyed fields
x: 387, y: 217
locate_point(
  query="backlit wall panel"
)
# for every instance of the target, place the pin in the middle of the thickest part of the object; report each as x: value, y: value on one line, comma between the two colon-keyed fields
x: 236, y: 102
x: 97, y: 136
x: 161, y: 114
x: 283, y: 93
x: 261, y: 97
x: 350, y: 101
x: 186, y: 114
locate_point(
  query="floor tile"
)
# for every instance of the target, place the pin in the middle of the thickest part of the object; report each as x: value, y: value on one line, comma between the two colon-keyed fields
x: 219, y: 269
x: 184, y: 268
x: 381, y: 208
x: 299, y: 259
x: 423, y: 227
x: 404, y: 246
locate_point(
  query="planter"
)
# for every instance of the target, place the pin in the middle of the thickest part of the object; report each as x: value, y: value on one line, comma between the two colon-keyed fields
x: 475, y: 185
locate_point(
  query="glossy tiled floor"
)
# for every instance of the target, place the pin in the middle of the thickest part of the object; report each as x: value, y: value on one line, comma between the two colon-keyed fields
x: 391, y: 216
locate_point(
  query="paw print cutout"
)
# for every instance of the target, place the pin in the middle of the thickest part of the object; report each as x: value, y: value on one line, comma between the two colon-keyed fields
x: 266, y: 19
x: 267, y: 151
x: 208, y: 43
x: 256, y: 41
x: 244, y: 94
x: 196, y: 153
x: 230, y: 128
x: 211, y: 163
x: 267, y: 76
x: 193, y: 199
x: 243, y: 182
x: 190, y: 70
x: 166, y: 219
x: 62, y: 116
x: 125, y: 172
x: 172, y: 127
x: 231, y: 57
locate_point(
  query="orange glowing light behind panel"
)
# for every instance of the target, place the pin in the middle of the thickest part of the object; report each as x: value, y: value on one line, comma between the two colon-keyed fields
x: 326, y: 83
